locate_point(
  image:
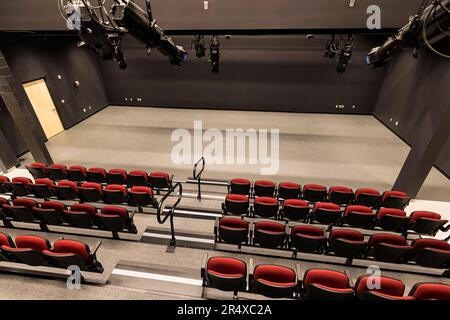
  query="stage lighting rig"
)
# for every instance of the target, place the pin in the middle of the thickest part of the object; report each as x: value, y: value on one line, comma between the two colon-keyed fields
x: 345, y: 55
x: 214, y: 54
x: 103, y: 30
x: 429, y: 26
x: 198, y: 45
x: 331, y: 48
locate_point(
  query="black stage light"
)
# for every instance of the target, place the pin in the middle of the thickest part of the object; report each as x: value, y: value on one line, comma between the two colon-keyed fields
x: 331, y: 48
x: 345, y: 55
x: 198, y: 45
x: 214, y: 54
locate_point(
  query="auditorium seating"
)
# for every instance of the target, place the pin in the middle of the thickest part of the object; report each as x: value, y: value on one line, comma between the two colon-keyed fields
x: 226, y: 274
x: 115, y: 194
x: 20, y: 186
x: 90, y: 192
x: 431, y: 253
x: 236, y: 204
x: 270, y: 234
x: 274, y: 281
x: 289, y: 190
x: 233, y: 230
x: 110, y: 218
x: 137, y: 178
x: 388, y: 247
x: 430, y: 291
x: 96, y: 175
x: 340, y: 195
x: 380, y: 288
x: 358, y: 216
x: 4, y: 181
x: 117, y: 176
x: 395, y: 199
x: 367, y: 197
x: 314, y: 193
x: 37, y: 170
x: 426, y: 222
x: 264, y: 188
x: 296, y: 210
x: 308, y: 239
x: 76, y: 173
x: 265, y: 207
x: 43, y: 188
x: 159, y: 181
x: 37, y: 251
x: 326, y: 213
x: 57, y: 172
x: 324, y: 284
x: 391, y: 219
x: 240, y: 186
x: 347, y: 243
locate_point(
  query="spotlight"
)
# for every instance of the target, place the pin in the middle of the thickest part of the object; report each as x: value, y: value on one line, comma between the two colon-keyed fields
x: 198, y: 44
x: 345, y: 55
x: 331, y: 47
x: 214, y: 54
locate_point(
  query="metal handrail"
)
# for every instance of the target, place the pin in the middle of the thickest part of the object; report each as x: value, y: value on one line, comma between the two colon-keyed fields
x: 171, y: 212
x: 197, y: 176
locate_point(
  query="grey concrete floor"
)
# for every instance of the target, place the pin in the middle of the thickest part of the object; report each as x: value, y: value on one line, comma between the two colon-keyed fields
x: 356, y: 151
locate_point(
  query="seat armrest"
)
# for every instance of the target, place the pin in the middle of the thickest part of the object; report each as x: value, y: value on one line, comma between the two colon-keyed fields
x: 299, y: 271
x: 203, y: 268
x: 351, y: 282
x: 133, y: 213
x: 97, y: 245
x: 250, y: 275
x: 216, y: 227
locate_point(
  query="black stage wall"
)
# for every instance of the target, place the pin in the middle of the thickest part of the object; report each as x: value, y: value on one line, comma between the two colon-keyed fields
x: 268, y: 73
x: 34, y: 57
x: 415, y: 94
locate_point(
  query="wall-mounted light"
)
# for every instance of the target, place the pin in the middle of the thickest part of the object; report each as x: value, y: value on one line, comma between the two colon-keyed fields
x: 59, y: 77
x: 63, y: 101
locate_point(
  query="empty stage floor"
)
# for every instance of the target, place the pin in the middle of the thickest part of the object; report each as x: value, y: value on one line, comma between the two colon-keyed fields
x: 352, y: 150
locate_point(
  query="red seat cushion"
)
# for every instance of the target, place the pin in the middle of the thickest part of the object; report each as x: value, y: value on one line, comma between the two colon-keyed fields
x: 295, y: 203
x: 22, y: 180
x: 138, y: 173
x: 4, y: 179
x: 32, y: 242
x: 388, y: 286
x: 92, y: 185
x: 116, y: 187
x: 3, y: 201
x: 275, y: 275
x: 56, y: 205
x: 49, y: 183
x: 346, y: 234
x: 313, y: 186
x: 388, y: 238
x: 58, y: 166
x: 308, y: 231
x: 233, y: 223
x: 435, y: 291
x: 240, y: 181
x: 122, y: 172
x: 329, y: 278
x: 326, y: 206
x: 358, y: 209
x: 340, y: 189
x: 264, y: 183
x: 431, y: 243
x: 366, y: 191
x: 289, y: 185
x: 22, y: 202
x: 425, y: 214
x: 72, y: 246
x: 78, y: 168
x: 67, y: 183
x: 82, y: 207
x: 237, y: 198
x: 98, y: 170
x: 146, y: 190
x: 115, y: 211
x: 227, y: 266
x: 399, y: 194
x: 38, y: 165
x: 159, y: 174
x: 269, y: 226
x: 266, y: 201
x: 391, y: 211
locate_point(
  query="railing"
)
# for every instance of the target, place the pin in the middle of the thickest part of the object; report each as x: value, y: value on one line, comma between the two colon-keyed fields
x: 170, y: 213
x: 198, y: 175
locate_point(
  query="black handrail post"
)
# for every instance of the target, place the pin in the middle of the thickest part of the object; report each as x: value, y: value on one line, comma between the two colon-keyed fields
x: 170, y: 213
x: 197, y: 176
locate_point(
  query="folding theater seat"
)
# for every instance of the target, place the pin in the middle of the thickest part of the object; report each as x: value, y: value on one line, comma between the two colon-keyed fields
x: 20, y: 186
x: 308, y: 239
x: 240, y: 186
x: 66, y: 253
x: 391, y: 219
x: 3, y: 202
x: 115, y: 219
x: 347, y: 243
x: 159, y: 180
x: 426, y: 222
x: 367, y: 197
x: 76, y: 173
x: 270, y: 234
x: 141, y: 197
x: 57, y: 172
x: 430, y: 291
x: 275, y: 281
x: 43, y: 188
x: 28, y: 250
x: 380, y: 288
x: 314, y: 193
x: 6, y: 240
x: 294, y: 209
x: 116, y: 176
x: 389, y: 247
x: 431, y: 253
x: 50, y: 212
x: 81, y: 215
x: 233, y: 230
x: 289, y: 190
x: 264, y: 188
x: 236, y: 204
x: 326, y: 213
x: 226, y: 274
x: 21, y: 210
x: 137, y: 178
x: 66, y: 190
x: 97, y: 175
x: 265, y: 207
x: 90, y: 192
x: 37, y: 170
x: 115, y: 194
x: 324, y: 284
x: 340, y: 195
x: 395, y: 199
x: 359, y: 216
x: 4, y: 184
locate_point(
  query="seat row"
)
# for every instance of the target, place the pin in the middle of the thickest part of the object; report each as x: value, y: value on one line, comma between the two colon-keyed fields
x: 273, y: 281
x: 356, y: 216
x: 109, y: 218
x: 37, y: 251
x: 57, y: 172
x: 45, y: 188
x: 347, y: 243
x: 340, y: 195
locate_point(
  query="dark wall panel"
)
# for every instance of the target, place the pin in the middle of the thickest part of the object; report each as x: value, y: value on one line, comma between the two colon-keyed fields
x: 256, y: 73
x: 225, y: 14
x: 36, y: 57
x: 10, y: 131
x: 415, y: 95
